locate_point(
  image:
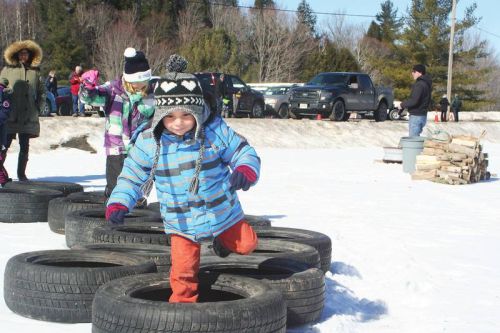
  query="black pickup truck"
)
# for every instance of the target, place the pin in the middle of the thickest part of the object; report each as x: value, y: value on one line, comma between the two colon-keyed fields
x: 338, y: 94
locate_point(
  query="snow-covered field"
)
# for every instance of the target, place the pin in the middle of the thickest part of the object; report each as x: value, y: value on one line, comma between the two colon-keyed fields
x: 408, y: 256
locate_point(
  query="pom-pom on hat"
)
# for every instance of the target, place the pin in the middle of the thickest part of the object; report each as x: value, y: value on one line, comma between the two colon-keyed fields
x: 176, y: 63
x: 136, y: 67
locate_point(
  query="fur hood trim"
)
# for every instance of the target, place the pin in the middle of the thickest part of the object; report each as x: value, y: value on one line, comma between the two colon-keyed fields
x: 11, y: 51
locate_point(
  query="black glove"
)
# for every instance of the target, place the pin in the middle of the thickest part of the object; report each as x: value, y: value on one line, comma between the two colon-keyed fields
x: 242, y: 178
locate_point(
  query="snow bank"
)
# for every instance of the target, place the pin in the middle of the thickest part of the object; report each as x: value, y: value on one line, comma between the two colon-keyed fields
x: 273, y: 133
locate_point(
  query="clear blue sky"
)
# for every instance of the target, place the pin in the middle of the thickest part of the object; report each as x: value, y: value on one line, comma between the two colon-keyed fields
x: 488, y: 10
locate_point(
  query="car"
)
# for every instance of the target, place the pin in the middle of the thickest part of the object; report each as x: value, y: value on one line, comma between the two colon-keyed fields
x: 277, y: 100
x: 250, y: 101
x: 60, y: 104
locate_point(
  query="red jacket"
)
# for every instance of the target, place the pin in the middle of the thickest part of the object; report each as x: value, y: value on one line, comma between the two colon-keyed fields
x: 75, y: 80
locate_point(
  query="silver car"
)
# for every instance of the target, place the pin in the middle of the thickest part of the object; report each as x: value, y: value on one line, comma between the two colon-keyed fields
x: 276, y: 99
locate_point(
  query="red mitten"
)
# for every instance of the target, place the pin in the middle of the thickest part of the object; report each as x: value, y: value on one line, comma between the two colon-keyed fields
x: 115, y: 213
x: 242, y: 178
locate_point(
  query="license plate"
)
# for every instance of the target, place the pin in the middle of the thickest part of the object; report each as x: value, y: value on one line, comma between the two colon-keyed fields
x: 302, y: 106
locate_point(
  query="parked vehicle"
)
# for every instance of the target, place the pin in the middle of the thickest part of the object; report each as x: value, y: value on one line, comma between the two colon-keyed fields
x: 338, y: 94
x: 250, y: 102
x: 89, y: 110
x: 277, y: 100
x: 60, y: 104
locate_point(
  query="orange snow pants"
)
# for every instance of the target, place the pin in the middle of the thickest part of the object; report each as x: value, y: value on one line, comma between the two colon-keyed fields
x: 185, y: 257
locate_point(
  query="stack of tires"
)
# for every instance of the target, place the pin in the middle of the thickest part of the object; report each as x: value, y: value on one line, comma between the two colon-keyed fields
x: 102, y: 277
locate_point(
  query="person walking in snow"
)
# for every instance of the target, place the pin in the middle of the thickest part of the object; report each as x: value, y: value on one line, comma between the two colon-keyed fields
x: 128, y: 106
x: 75, y: 79
x: 420, y: 100
x: 189, y: 155
x: 23, y: 59
x: 5, y: 100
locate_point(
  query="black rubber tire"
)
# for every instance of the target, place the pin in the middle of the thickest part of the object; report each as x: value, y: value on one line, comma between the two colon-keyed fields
x: 381, y: 113
x: 60, y: 207
x: 59, y: 285
x: 25, y: 205
x: 159, y: 254
x: 275, y: 248
x: 321, y: 242
x: 65, y: 187
x: 283, y: 111
x: 131, y: 233
x: 302, y: 287
x: 227, y: 304
x: 90, y: 195
x: 64, y: 109
x: 80, y: 224
x: 257, y: 110
x: 394, y: 114
x: 338, y: 111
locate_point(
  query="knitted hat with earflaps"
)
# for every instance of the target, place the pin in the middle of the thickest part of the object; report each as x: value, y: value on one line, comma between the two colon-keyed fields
x: 179, y: 92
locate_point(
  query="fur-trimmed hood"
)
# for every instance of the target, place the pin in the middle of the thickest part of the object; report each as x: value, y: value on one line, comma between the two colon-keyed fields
x: 10, y: 54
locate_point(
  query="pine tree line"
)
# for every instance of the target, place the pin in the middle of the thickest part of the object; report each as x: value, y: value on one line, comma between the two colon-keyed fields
x: 260, y: 44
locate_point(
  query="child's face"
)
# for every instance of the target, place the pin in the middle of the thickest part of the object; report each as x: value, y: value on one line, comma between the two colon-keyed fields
x: 138, y: 86
x: 179, y: 122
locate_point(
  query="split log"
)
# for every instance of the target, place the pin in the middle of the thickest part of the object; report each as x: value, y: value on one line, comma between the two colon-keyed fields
x: 423, y: 174
x: 428, y: 166
x: 454, y: 148
x: 469, y: 142
x: 435, y: 144
x: 433, y: 151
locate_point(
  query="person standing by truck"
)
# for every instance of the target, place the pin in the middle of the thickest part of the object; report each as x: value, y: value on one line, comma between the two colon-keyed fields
x: 443, y: 105
x: 420, y: 100
x: 456, y: 104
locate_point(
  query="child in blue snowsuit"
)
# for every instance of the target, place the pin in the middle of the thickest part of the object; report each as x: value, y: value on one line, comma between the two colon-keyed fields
x: 5, y: 100
x: 190, y: 156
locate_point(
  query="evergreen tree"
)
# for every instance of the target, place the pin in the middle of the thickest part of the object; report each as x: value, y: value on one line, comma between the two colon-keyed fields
x: 62, y: 48
x: 306, y: 16
x: 388, y: 22
x: 213, y: 50
x: 374, y: 31
x: 264, y: 4
x: 328, y: 58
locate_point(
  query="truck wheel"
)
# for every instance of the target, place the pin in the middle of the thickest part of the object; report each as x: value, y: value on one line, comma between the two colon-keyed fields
x: 338, y: 111
x: 347, y: 116
x: 283, y: 111
x: 381, y: 113
x: 394, y: 114
x: 257, y: 110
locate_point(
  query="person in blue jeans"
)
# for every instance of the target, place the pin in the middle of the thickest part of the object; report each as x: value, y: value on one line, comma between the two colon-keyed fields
x: 419, y: 102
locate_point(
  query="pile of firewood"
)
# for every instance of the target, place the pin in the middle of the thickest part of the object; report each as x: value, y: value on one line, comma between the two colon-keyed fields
x: 459, y: 160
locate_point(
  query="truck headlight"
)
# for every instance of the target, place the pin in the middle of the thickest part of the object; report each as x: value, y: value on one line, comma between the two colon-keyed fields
x: 325, y: 96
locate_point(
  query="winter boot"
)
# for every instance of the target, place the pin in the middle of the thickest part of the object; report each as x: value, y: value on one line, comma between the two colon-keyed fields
x: 4, y: 176
x: 219, y: 249
x: 21, y: 167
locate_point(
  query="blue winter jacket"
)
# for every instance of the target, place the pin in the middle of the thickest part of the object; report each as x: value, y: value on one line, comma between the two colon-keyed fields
x: 215, y: 207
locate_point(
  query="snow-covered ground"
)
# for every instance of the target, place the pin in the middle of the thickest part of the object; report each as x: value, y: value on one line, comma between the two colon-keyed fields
x: 408, y: 256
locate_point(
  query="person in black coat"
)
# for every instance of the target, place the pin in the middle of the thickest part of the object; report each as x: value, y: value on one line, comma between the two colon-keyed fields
x: 443, y: 103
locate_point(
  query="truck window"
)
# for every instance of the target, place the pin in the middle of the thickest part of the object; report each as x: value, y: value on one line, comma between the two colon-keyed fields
x: 353, y: 82
x: 365, y: 84
x: 328, y: 79
x: 237, y: 83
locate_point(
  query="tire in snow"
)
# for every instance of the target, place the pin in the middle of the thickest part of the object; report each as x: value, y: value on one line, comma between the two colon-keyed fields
x: 159, y: 254
x: 132, y: 233
x: 59, y: 285
x: 60, y: 207
x: 321, y: 242
x: 274, y: 248
x: 227, y: 303
x: 302, y: 287
x: 25, y: 205
x: 65, y: 187
x: 80, y: 224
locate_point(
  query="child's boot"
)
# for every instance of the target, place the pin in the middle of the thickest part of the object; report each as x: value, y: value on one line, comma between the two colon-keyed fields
x: 219, y: 249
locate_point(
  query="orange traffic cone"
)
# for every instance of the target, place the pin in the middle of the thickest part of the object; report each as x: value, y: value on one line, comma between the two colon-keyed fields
x: 436, y: 118
x: 318, y: 116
